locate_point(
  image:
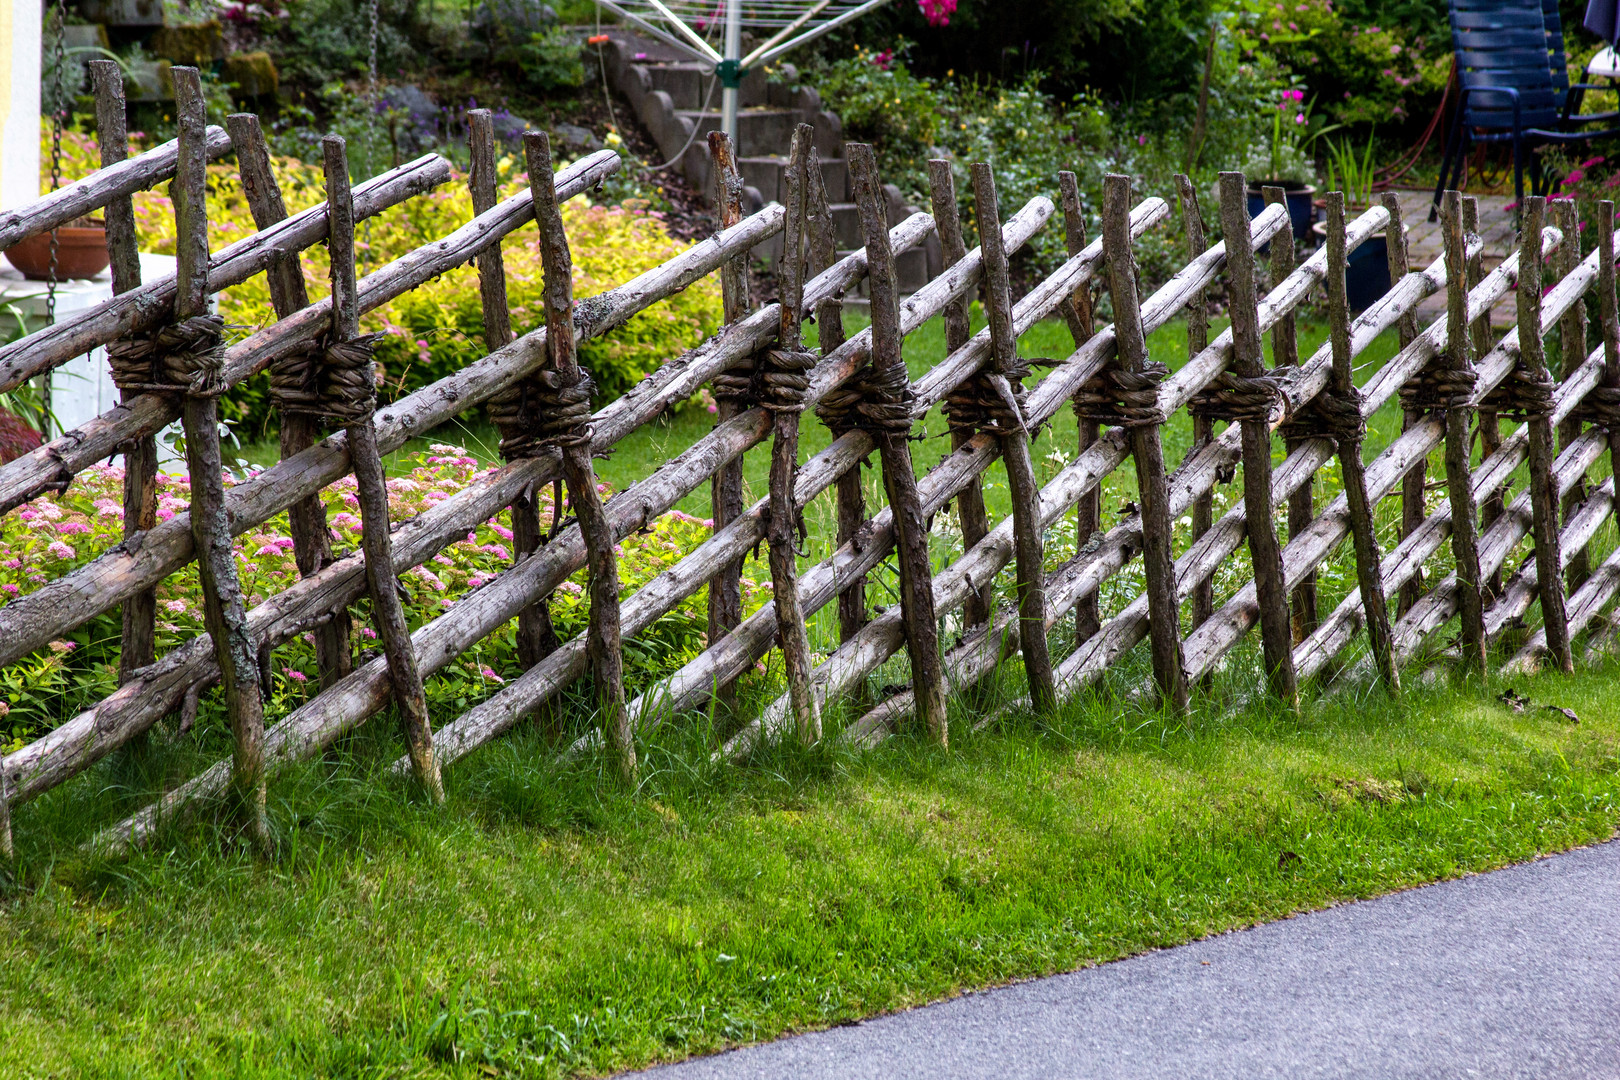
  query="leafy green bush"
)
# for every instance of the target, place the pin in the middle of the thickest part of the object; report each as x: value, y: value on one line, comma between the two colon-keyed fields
x: 551, y: 61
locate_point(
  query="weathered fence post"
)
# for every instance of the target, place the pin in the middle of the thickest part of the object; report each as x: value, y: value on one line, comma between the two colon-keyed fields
x: 223, y: 609
x: 886, y: 411
x: 535, y: 635
x: 1079, y: 314
x: 1531, y: 389
x: 137, y: 645
x: 347, y: 389
x: 1251, y: 396
x: 970, y: 500
x: 829, y: 336
x: 1572, y: 348
x: 1605, y: 399
x: 1285, y: 354
x: 731, y: 392
x: 1339, y: 409
x: 564, y: 420
x: 1413, y: 483
x: 785, y: 377
x: 1202, y: 593
x: 1454, y: 394
x: 306, y: 518
x: 1003, y: 416
x: 1488, y: 422
x: 1141, y: 375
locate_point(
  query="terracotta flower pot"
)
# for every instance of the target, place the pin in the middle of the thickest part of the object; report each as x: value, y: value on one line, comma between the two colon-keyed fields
x: 81, y: 252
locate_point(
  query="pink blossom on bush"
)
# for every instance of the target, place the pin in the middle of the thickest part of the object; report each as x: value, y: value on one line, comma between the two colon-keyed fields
x: 937, y: 12
x: 12, y: 589
x: 73, y: 527
x: 489, y: 673
x: 368, y: 633
x: 62, y: 550
x: 295, y: 675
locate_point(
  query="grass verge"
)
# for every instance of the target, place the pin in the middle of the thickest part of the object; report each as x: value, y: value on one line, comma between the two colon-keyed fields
x: 545, y: 923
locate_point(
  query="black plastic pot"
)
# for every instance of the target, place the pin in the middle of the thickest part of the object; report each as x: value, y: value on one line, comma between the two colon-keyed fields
x: 1301, y: 209
x: 1366, y: 270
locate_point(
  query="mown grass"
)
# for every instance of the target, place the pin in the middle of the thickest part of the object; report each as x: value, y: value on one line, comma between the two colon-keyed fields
x: 547, y: 923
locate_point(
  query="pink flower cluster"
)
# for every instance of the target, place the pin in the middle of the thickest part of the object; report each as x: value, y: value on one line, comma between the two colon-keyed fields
x: 937, y: 12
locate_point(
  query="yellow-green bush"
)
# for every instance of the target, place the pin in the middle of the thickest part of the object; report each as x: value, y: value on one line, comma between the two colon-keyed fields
x: 438, y: 328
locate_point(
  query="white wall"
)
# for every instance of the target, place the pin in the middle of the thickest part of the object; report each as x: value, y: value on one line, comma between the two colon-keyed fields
x: 19, y: 101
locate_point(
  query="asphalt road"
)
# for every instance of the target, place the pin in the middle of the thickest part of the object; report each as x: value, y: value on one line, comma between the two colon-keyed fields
x: 1509, y: 974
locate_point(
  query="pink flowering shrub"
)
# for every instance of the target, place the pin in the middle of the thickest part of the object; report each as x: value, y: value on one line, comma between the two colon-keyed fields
x: 937, y: 12
x: 52, y: 535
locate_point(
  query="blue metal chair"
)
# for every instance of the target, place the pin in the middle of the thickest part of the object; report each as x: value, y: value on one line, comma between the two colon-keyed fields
x: 1513, y: 86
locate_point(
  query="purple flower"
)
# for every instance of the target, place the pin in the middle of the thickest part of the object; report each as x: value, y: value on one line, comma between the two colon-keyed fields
x: 295, y: 675
x: 489, y: 673
x: 62, y: 550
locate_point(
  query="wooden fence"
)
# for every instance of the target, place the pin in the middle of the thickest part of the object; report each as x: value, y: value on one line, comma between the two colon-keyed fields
x: 1454, y: 383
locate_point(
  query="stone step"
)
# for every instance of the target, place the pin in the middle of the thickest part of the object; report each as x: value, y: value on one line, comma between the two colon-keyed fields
x: 765, y: 173
x: 847, y: 218
x: 910, y: 271
x: 760, y: 132
x: 686, y: 83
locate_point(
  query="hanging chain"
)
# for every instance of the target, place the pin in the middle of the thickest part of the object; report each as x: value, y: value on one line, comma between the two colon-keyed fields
x: 58, y: 62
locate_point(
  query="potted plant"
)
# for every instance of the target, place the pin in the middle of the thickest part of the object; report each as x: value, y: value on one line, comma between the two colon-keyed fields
x: 1366, y: 272
x: 81, y: 251
x: 1285, y: 162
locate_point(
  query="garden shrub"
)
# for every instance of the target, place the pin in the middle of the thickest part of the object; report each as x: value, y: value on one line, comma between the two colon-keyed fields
x: 52, y: 535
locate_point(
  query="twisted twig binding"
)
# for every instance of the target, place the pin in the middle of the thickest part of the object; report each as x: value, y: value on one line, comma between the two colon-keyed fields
x: 1239, y: 398
x: 1600, y: 406
x: 540, y: 413
x: 337, y: 381
x: 785, y: 378
x: 1525, y: 394
x: 1121, y: 398
x: 184, y: 357
x: 1436, y: 389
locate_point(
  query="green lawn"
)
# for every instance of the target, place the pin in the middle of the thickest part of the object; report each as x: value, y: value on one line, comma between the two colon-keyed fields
x: 546, y: 922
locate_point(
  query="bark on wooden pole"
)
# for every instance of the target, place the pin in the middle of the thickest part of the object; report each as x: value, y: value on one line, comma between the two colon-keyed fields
x: 1609, y: 323
x: 889, y: 414
x: 1459, y: 488
x: 306, y: 518
x: 1489, y: 422
x: 1248, y: 365
x: 970, y: 502
x: 1531, y: 375
x: 1158, y: 558
x: 535, y: 635
x: 137, y: 644
x: 1013, y: 435
x: 1285, y: 354
x: 351, y: 392
x: 574, y: 437
x: 1202, y: 593
x: 786, y: 371
x: 1346, y: 424
x: 730, y: 392
x: 223, y: 609
x: 1078, y: 313
x: 1412, y: 485
x: 1572, y: 348
x: 851, y: 495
